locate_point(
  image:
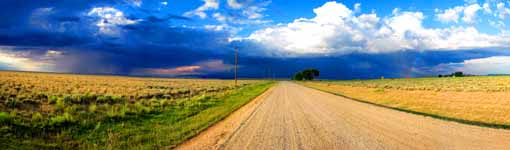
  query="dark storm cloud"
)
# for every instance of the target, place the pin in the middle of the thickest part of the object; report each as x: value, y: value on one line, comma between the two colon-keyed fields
x: 154, y: 42
x: 66, y: 23
x: 357, y: 65
x: 45, y: 23
x: 40, y: 38
x: 16, y: 12
x: 151, y: 42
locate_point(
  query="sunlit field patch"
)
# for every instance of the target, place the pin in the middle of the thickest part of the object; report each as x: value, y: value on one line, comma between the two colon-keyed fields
x: 474, y: 100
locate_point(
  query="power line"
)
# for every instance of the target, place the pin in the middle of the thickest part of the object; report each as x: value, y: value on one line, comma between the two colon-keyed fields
x: 235, y: 67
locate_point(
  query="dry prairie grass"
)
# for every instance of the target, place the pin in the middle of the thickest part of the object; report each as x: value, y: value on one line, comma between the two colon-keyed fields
x: 462, y: 84
x: 28, y: 84
x: 63, y: 111
x: 479, y: 106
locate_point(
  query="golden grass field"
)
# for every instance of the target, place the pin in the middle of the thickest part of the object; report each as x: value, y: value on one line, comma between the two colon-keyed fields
x: 65, y: 111
x: 475, y: 100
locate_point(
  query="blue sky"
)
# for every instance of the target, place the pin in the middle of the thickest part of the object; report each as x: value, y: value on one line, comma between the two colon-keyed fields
x: 196, y: 38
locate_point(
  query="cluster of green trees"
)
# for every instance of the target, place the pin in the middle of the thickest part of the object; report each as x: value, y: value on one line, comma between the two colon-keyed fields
x: 307, y: 74
x: 455, y: 74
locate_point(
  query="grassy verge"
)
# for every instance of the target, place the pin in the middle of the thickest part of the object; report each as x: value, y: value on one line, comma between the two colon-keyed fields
x: 484, y: 110
x: 164, y: 129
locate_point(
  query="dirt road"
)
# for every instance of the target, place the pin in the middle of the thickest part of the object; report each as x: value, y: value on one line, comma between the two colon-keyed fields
x: 291, y: 116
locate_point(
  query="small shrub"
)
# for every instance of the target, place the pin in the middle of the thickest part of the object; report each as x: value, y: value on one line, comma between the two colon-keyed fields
x: 117, y: 99
x: 52, y: 99
x: 112, y: 112
x: 77, y: 99
x: 123, y: 110
x: 164, y: 102
x: 68, y: 99
x: 40, y: 96
x: 37, y: 117
x: 92, y: 108
x: 61, y: 119
x: 11, y: 102
x: 30, y: 101
x: 71, y: 109
x: 13, y: 113
x: 183, y: 91
x: 88, y: 97
x: 104, y: 99
x: 154, y: 102
x: 60, y: 104
x: 5, y: 117
x: 141, y: 109
x: 116, y: 112
x: 98, y: 125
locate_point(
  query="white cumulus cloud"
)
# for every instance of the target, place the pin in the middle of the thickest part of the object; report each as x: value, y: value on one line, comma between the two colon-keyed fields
x: 467, y: 14
x: 503, y: 12
x: 253, y: 12
x: 337, y: 30
x: 450, y: 15
x: 200, y: 11
x: 357, y: 7
x: 109, y: 19
x: 220, y: 17
x: 487, y: 8
x: 234, y: 4
x: 470, y: 13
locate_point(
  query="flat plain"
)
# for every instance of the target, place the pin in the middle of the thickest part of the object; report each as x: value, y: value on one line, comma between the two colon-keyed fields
x: 482, y: 100
x: 63, y: 111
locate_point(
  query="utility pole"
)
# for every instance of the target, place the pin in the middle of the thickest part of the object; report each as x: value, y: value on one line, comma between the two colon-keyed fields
x: 235, y: 67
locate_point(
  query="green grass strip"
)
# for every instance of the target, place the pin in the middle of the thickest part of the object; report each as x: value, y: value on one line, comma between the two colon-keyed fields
x: 163, y: 130
x: 172, y: 127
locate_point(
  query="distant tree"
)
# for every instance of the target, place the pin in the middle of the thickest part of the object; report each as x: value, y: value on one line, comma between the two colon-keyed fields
x: 307, y: 74
x: 310, y: 74
x: 298, y: 76
x: 458, y: 74
x: 439, y: 76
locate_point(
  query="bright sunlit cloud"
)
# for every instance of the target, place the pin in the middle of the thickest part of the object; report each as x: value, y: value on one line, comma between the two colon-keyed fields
x: 336, y: 30
x: 27, y: 61
x: 479, y: 66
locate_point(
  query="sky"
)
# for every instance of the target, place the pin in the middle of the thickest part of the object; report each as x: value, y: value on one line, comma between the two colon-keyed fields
x: 351, y: 39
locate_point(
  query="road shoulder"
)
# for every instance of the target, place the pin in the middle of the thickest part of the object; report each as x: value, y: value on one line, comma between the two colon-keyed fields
x: 215, y: 136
